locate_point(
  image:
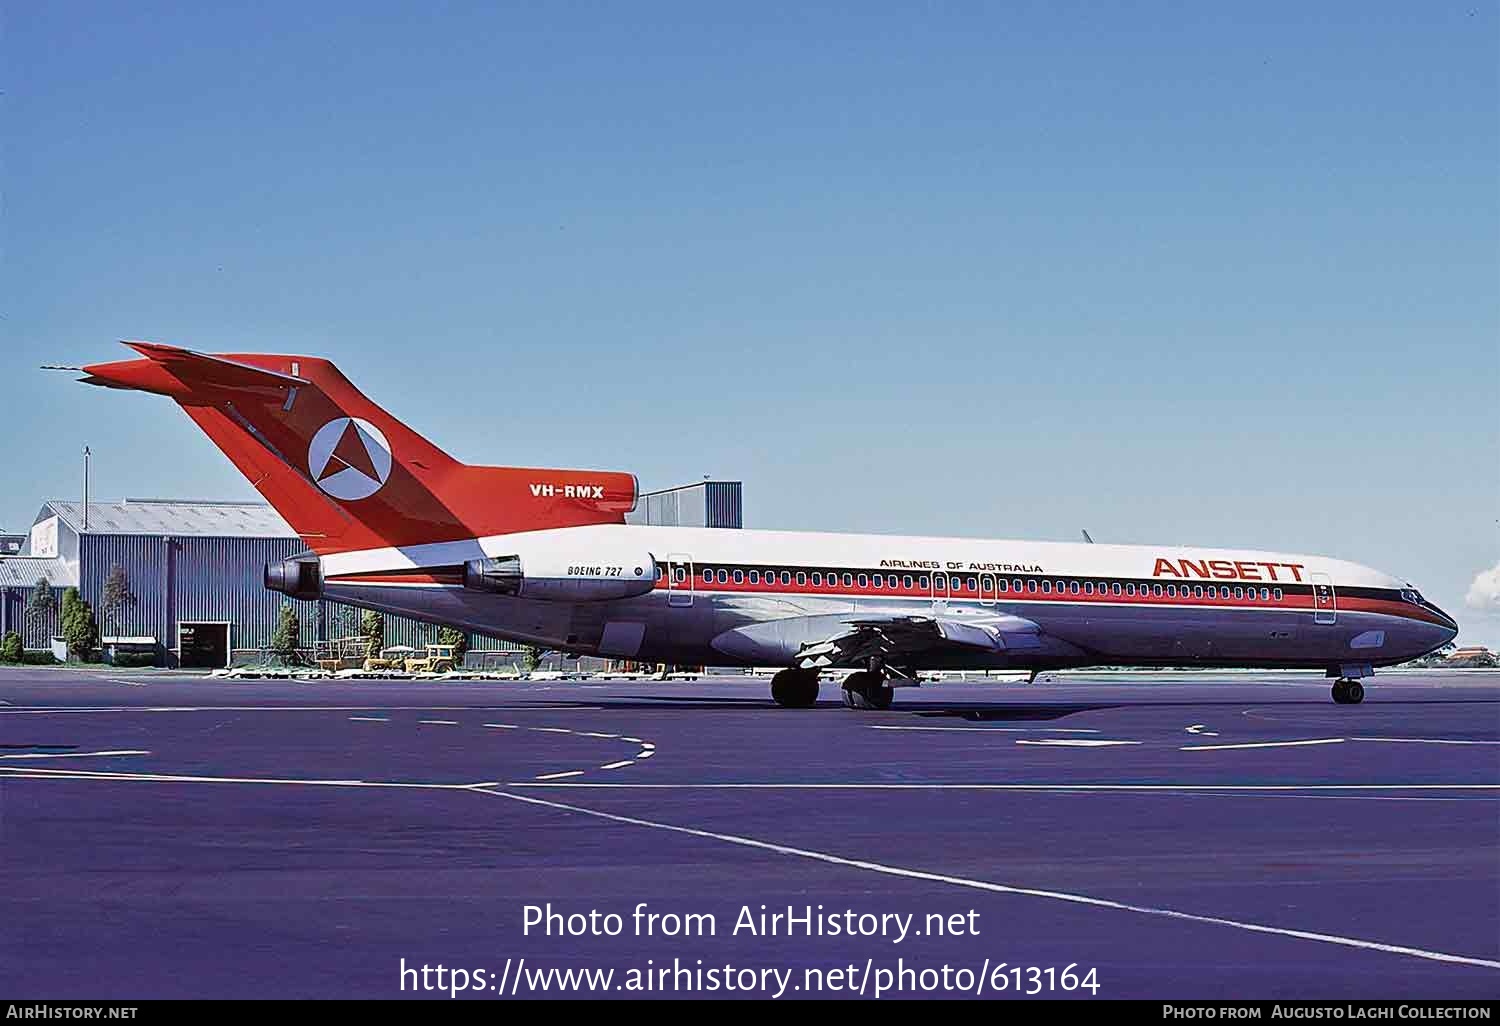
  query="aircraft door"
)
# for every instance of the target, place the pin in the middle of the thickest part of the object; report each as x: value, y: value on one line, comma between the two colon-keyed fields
x: 987, y: 590
x: 939, y: 592
x: 1325, y: 601
x: 679, y: 579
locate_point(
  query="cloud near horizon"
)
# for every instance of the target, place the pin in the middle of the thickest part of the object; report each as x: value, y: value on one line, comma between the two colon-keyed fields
x: 1484, y: 593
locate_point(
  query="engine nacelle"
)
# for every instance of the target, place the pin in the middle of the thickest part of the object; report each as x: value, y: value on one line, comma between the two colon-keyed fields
x: 591, y: 576
x: 298, y: 578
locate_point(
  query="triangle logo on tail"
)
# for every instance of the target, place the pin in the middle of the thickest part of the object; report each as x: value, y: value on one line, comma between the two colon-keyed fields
x: 349, y: 458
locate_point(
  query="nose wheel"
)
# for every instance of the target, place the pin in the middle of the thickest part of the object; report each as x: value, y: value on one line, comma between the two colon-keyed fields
x: 1348, y: 692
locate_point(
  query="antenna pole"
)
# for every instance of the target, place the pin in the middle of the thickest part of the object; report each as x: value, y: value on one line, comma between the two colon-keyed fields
x: 86, y: 455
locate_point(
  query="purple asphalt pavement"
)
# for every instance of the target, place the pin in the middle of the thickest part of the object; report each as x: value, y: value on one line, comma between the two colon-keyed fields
x: 1191, y: 835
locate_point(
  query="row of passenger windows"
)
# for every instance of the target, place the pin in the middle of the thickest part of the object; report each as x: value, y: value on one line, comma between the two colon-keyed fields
x: 958, y: 585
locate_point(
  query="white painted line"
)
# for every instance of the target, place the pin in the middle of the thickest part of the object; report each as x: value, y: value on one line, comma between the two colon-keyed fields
x: 371, y: 719
x: 71, y: 755
x: 440, y: 723
x: 590, y: 733
x: 985, y: 885
x: 47, y: 710
x: 633, y: 740
x: 552, y: 730
x: 559, y: 776
x: 127, y: 683
x: 1424, y: 741
x: 1197, y: 728
x: 504, y: 726
x: 618, y: 765
x: 1264, y: 744
x: 38, y: 773
x: 851, y: 786
x: 1073, y: 742
x: 999, y: 730
x: 645, y: 753
x: 648, y: 744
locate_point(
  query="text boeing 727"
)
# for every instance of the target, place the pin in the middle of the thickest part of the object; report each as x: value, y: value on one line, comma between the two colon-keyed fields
x: 545, y: 556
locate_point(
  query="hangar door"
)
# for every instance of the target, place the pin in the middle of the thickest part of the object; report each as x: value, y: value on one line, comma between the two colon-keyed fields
x: 203, y: 645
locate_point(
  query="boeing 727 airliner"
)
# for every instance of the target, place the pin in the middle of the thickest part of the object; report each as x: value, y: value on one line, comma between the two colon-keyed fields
x: 544, y: 556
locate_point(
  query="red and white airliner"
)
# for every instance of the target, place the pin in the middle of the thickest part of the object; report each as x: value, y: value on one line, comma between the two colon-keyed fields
x: 544, y: 556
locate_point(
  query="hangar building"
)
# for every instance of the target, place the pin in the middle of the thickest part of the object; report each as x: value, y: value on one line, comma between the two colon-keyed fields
x: 194, y: 569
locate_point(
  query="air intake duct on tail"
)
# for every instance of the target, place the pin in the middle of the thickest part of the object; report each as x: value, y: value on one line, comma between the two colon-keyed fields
x: 600, y: 577
x: 297, y: 578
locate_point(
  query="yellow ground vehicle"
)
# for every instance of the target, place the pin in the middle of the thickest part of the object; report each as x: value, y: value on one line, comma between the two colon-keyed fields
x: 439, y: 659
x: 340, y: 654
x: 393, y: 658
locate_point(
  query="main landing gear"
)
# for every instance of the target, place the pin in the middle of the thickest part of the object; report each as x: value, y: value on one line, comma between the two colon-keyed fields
x: 1347, y: 691
x: 868, y: 689
x: 795, y: 689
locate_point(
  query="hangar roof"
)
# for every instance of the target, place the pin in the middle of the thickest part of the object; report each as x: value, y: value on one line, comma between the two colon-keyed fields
x: 22, y: 571
x: 178, y: 517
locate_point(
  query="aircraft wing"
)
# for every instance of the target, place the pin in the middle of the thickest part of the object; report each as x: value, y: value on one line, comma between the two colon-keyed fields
x: 894, y: 636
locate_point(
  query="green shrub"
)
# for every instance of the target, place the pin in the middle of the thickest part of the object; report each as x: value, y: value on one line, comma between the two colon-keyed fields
x: 79, y: 629
x: 39, y: 659
x: 132, y: 659
x: 11, y: 650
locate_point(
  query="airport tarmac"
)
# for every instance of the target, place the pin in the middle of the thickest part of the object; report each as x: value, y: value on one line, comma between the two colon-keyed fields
x: 1205, y: 835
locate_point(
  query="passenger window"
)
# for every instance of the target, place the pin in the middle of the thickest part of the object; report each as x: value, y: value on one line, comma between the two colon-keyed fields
x: 1117, y: 589
x: 1265, y: 593
x: 1031, y: 585
x: 922, y: 582
x: 801, y: 577
x: 864, y: 581
x: 1278, y: 594
x: 1088, y: 587
x: 1156, y: 590
x: 1171, y: 591
x: 754, y: 576
x: 973, y: 584
x: 848, y: 580
x: 708, y: 577
x: 880, y: 580
x: 1213, y: 591
x: 1046, y: 587
x: 940, y: 582
x: 906, y: 582
x: 723, y: 576
x: 1073, y: 587
x: 890, y: 580
x: 1239, y: 593
x: 817, y: 579
x: 1004, y: 584
x: 1197, y: 591
x: 739, y: 577
x: 1130, y: 589
x: 786, y: 577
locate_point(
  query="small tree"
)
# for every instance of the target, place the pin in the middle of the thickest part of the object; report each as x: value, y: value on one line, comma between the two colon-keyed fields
x: 288, y: 635
x: 458, y: 639
x: 11, y: 649
x: 531, y: 657
x: 372, y: 626
x: 117, y: 597
x: 79, y: 629
x: 41, y: 607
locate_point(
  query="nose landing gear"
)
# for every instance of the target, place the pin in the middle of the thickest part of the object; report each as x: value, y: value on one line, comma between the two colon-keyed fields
x: 1347, y: 691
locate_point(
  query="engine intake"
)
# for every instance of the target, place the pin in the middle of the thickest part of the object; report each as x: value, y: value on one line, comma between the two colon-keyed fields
x: 297, y: 578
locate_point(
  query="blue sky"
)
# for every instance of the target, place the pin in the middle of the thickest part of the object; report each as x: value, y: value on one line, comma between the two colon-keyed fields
x: 1197, y: 273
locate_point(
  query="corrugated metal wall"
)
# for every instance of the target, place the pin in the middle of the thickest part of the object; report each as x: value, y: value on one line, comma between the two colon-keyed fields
x: 216, y: 579
x: 707, y: 504
x: 13, y: 617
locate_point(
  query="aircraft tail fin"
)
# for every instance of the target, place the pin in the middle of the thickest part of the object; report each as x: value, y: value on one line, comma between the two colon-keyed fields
x: 342, y: 471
